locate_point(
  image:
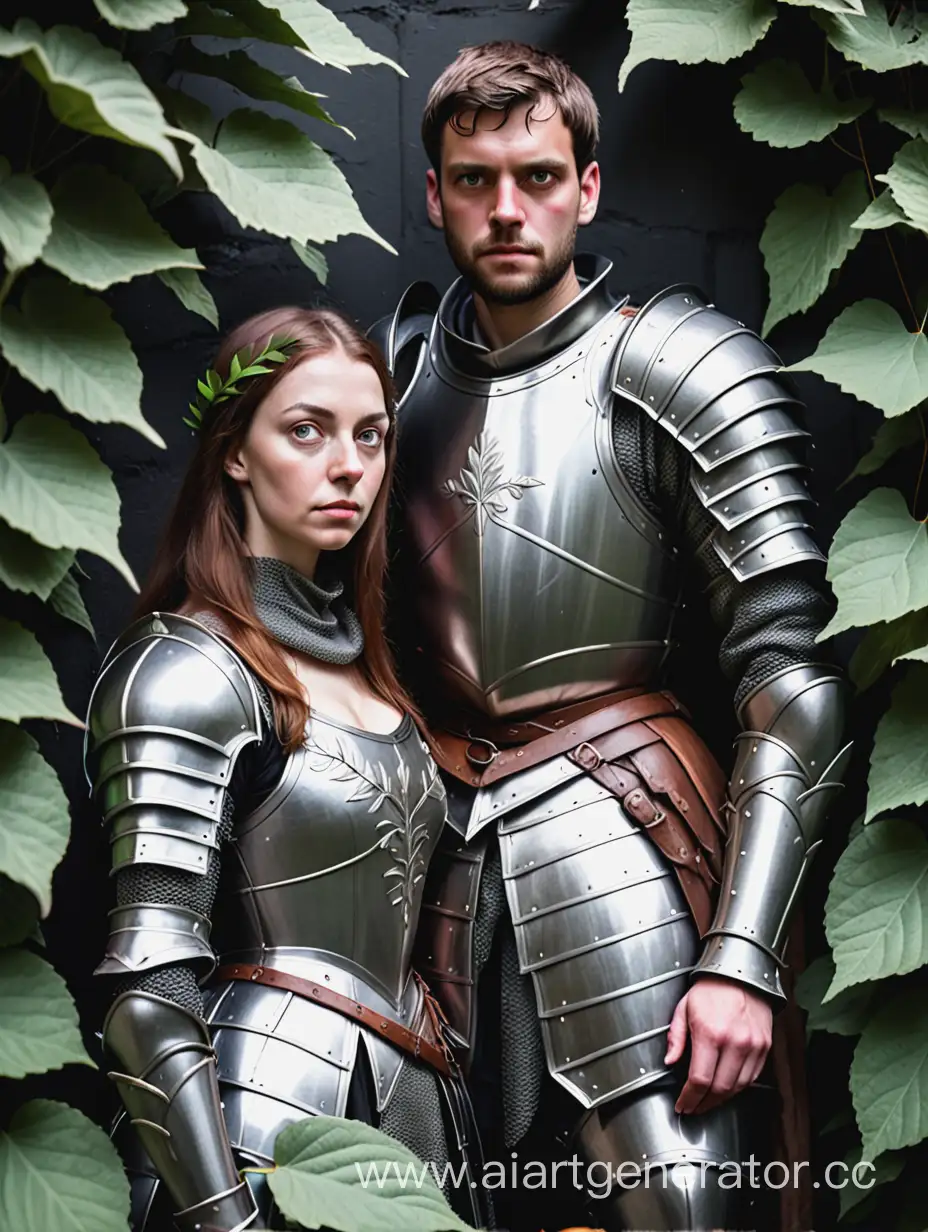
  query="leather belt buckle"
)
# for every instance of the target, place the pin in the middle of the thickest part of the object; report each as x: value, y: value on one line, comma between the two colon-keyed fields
x: 588, y: 756
x: 478, y: 762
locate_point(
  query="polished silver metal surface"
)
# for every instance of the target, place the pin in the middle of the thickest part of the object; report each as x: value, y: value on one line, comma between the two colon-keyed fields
x: 713, y: 385
x: 167, y: 1081
x: 514, y: 503
x: 788, y: 767
x: 172, y: 708
x: 146, y: 935
x: 603, y: 929
x: 672, y: 1169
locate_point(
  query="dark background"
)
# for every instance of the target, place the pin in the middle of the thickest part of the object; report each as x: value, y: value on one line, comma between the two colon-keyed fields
x: 685, y: 195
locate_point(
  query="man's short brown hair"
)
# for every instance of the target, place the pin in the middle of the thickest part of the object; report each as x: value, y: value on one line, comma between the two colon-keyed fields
x: 500, y: 76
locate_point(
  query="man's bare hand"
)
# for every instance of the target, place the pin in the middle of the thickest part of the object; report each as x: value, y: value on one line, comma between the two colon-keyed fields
x: 729, y: 1028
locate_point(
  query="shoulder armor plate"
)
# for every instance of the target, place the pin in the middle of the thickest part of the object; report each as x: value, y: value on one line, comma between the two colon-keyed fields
x: 172, y: 709
x: 403, y: 336
x: 715, y: 386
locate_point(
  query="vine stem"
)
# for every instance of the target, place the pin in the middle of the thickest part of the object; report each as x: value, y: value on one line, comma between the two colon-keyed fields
x: 889, y: 243
x: 921, y: 469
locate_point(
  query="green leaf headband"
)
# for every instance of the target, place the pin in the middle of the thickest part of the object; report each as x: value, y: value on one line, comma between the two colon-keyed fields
x: 214, y: 389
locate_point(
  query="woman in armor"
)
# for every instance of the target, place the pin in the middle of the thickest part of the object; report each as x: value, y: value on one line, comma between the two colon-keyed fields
x: 268, y: 857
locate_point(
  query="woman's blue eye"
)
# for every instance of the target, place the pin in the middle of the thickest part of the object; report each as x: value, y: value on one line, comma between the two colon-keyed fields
x: 373, y: 436
x: 303, y: 432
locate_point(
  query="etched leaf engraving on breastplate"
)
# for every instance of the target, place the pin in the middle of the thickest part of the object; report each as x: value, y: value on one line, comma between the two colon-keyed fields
x: 481, y: 483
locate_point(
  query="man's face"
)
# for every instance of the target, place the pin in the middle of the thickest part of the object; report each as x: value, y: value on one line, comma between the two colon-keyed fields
x: 510, y: 201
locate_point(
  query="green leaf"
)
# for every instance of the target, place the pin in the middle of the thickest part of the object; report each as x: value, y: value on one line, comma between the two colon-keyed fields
x: 93, y: 89
x: 58, y: 1170
x: 883, y: 644
x: 899, y: 761
x: 19, y: 913
x: 25, y: 218
x: 54, y: 487
x: 869, y: 353
x: 68, y: 602
x: 66, y: 341
x: 690, y: 31
x: 34, y: 821
x: 271, y: 176
x: 140, y: 14
x: 908, y: 179
x: 831, y: 6
x: 29, y: 567
x: 889, y: 1075
x: 885, y: 1169
x: 881, y: 212
x: 38, y: 1019
x: 321, y: 1162
x: 103, y: 234
x: 190, y: 114
x: 776, y: 104
x: 878, y: 564
x: 253, y: 79
x: 189, y: 289
x: 876, y: 916
x: 871, y: 40
x: 313, y: 259
x: 891, y: 436
x: 28, y: 685
x: 807, y: 237
x: 915, y: 123
x: 846, y: 1014
x: 324, y: 36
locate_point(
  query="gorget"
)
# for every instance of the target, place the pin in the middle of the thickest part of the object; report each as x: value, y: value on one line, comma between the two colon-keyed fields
x: 538, y: 577
x: 307, y: 614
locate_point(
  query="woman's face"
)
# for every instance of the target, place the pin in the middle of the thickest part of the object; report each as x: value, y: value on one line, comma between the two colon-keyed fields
x: 313, y: 459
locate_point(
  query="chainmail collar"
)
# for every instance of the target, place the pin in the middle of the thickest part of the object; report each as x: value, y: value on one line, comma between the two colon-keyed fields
x: 460, y: 337
x: 309, y: 615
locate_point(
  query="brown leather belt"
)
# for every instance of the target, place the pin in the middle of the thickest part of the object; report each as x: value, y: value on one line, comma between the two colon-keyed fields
x: 398, y: 1035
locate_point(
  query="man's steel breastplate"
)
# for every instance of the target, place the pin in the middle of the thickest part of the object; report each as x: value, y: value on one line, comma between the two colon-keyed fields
x: 538, y: 578
x: 330, y: 867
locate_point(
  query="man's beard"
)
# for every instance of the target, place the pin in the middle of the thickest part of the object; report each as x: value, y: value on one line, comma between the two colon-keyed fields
x: 528, y: 287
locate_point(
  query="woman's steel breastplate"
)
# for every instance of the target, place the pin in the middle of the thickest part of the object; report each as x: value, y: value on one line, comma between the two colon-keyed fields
x: 330, y: 866
x: 538, y: 577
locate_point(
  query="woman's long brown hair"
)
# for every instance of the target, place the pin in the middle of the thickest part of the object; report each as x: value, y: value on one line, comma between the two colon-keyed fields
x: 202, y: 555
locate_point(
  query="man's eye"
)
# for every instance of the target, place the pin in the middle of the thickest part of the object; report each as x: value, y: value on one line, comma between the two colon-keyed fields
x: 370, y: 436
x: 470, y: 178
x: 305, y: 432
x: 541, y: 177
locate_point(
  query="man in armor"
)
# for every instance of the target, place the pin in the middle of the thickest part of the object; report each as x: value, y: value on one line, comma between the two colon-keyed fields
x: 565, y: 460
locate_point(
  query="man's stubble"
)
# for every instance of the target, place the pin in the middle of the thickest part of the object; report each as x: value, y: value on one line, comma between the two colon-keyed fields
x: 532, y: 286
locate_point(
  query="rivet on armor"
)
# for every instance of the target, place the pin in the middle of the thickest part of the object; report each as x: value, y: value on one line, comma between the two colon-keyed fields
x: 567, y: 1058
x: 530, y: 863
x: 642, y: 1070
x: 733, y: 893
x: 744, y: 853
x: 596, y: 938
x: 519, y: 752
x: 534, y: 908
x: 747, y: 812
x: 628, y: 380
x: 677, y: 963
x: 562, y: 1018
x: 673, y: 911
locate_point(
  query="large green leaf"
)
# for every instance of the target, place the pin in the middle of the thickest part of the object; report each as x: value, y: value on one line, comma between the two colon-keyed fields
x: 92, y: 88
x: 64, y: 340
x: 189, y: 289
x: 19, y: 912
x: 831, y: 6
x: 67, y: 601
x: 102, y: 233
x: 881, y: 212
x: 324, y: 36
x: 878, y: 564
x: 253, y: 79
x: 54, y: 487
x: 871, y: 40
x: 908, y: 180
x: 271, y: 176
x: 140, y: 14
x: 868, y: 351
x: 882, y: 644
x: 915, y: 123
x: 876, y: 916
x: 891, y: 436
x: 845, y: 1014
x: 899, y: 761
x: 807, y: 237
x: 25, y: 217
x: 59, y: 1172
x: 321, y: 1164
x: 34, y: 822
x: 28, y: 685
x: 889, y: 1075
x: 38, y: 1019
x: 28, y: 566
x: 313, y: 259
x: 885, y: 1169
x: 776, y: 104
x: 690, y: 31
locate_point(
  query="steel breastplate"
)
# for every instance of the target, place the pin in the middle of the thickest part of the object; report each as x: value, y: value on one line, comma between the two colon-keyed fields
x: 537, y: 576
x: 331, y: 865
